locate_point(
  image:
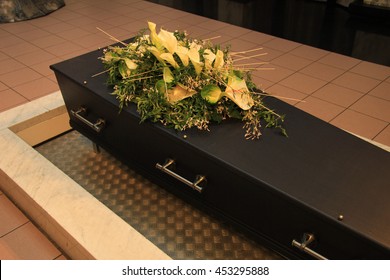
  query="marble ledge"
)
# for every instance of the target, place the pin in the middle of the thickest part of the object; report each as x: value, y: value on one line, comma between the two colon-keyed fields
x: 61, y: 207
x: 33, y: 112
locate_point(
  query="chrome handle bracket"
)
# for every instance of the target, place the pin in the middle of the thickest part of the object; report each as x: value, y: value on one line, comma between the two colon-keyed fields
x: 194, y: 185
x: 307, y: 239
x: 97, y: 126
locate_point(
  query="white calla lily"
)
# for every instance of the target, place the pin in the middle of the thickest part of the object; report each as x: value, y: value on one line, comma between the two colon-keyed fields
x: 168, y: 40
x: 167, y: 75
x: 219, y: 62
x: 130, y: 64
x: 179, y: 92
x: 195, y: 46
x: 238, y: 92
x: 209, y: 58
x: 182, y: 52
x: 193, y: 54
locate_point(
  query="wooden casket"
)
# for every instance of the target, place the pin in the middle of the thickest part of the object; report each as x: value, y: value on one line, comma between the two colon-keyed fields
x: 319, y: 193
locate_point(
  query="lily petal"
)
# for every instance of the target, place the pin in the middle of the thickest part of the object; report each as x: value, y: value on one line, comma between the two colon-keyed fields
x: 157, y: 54
x: 169, y: 58
x: 153, y: 35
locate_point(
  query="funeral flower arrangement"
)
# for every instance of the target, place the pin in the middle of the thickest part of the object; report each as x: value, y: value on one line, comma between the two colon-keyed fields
x: 183, y: 82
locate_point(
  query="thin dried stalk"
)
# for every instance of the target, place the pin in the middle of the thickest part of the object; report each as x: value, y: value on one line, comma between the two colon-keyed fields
x: 255, y: 69
x: 279, y: 96
x: 212, y: 38
x: 112, y: 37
x: 142, y: 78
x: 140, y: 74
x: 100, y: 73
x: 248, y: 57
x: 252, y: 50
x: 254, y: 63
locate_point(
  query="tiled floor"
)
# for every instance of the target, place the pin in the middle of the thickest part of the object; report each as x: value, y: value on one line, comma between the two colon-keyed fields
x: 347, y: 92
x: 20, y: 239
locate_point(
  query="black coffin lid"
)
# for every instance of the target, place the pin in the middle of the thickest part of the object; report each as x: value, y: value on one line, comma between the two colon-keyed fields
x: 318, y: 165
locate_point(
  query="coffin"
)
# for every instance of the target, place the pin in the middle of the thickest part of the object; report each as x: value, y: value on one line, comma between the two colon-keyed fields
x: 319, y: 193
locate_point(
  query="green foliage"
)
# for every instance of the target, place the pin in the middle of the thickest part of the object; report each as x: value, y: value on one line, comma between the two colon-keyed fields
x: 187, y: 87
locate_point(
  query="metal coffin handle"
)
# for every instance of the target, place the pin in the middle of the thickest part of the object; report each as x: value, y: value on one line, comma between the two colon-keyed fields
x: 194, y: 185
x: 307, y: 239
x: 97, y: 126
